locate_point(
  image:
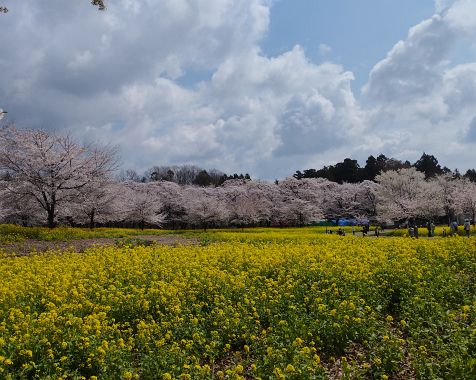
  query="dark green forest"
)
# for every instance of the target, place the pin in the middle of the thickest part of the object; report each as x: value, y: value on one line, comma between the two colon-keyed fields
x: 350, y: 171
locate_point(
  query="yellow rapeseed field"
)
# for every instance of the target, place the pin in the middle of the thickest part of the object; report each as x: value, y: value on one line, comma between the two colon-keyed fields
x: 246, y: 305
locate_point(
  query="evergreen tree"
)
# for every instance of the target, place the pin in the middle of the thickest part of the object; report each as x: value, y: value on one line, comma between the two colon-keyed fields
x: 428, y: 164
x: 371, y: 169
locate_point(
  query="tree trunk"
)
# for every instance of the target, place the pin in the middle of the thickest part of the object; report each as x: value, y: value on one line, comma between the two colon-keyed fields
x: 448, y: 215
x: 91, y: 219
x: 51, y: 210
x: 51, y: 217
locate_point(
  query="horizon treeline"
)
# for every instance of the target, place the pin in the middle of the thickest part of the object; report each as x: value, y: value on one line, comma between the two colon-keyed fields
x: 181, y: 175
x: 347, y: 171
x: 350, y: 171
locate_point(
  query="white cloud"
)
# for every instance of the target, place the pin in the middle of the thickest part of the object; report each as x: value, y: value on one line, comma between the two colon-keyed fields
x: 417, y: 91
x: 121, y: 76
x: 240, y: 118
x: 81, y: 59
x: 323, y: 50
x: 441, y: 5
x: 412, y: 68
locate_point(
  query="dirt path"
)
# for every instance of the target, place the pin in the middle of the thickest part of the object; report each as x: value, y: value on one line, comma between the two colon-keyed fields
x: 28, y: 246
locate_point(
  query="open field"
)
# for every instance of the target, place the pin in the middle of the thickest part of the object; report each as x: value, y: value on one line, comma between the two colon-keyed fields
x: 242, y: 304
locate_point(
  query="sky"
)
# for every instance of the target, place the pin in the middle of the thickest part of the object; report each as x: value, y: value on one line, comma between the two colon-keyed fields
x: 265, y: 87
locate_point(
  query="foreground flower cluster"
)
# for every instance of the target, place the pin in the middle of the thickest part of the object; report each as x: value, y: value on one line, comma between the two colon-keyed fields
x: 249, y: 308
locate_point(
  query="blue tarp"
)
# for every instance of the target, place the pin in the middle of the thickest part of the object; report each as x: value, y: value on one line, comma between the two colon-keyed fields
x: 351, y: 222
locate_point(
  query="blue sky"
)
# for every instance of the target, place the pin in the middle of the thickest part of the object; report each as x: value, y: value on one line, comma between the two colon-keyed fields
x: 359, y: 33
x: 259, y: 86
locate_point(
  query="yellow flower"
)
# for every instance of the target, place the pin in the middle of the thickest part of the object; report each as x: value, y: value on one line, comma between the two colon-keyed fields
x: 298, y: 341
x: 278, y: 373
x: 290, y: 368
x: 317, y: 359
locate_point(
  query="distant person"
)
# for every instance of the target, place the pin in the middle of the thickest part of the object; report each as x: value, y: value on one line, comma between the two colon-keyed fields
x: 453, y: 227
x: 353, y: 230
x: 444, y: 232
x: 377, y: 233
x: 467, y: 227
x: 364, y: 230
x: 410, y: 230
x: 428, y: 226
x: 415, y: 231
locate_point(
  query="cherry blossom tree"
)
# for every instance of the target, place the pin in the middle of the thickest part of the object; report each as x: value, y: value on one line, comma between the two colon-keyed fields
x: 203, y: 207
x: 346, y: 200
x: 260, y: 194
x: 299, y: 203
x: 48, y: 168
x: 398, y: 193
x: 94, y: 204
x: 139, y: 203
x: 19, y: 210
x: 297, y: 212
x: 246, y: 202
x: 325, y: 194
x: 265, y: 196
x: 173, y: 205
x: 447, y: 187
x: 240, y: 206
x: 404, y: 194
x: 465, y: 199
x: 24, y: 211
x: 431, y: 202
x: 366, y: 200
x: 94, y: 201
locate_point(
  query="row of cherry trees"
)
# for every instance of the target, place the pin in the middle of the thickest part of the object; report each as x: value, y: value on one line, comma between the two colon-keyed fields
x: 405, y: 194
x: 48, y: 178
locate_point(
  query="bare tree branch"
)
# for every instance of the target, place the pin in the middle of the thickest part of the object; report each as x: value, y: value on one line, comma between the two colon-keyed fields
x: 97, y: 3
